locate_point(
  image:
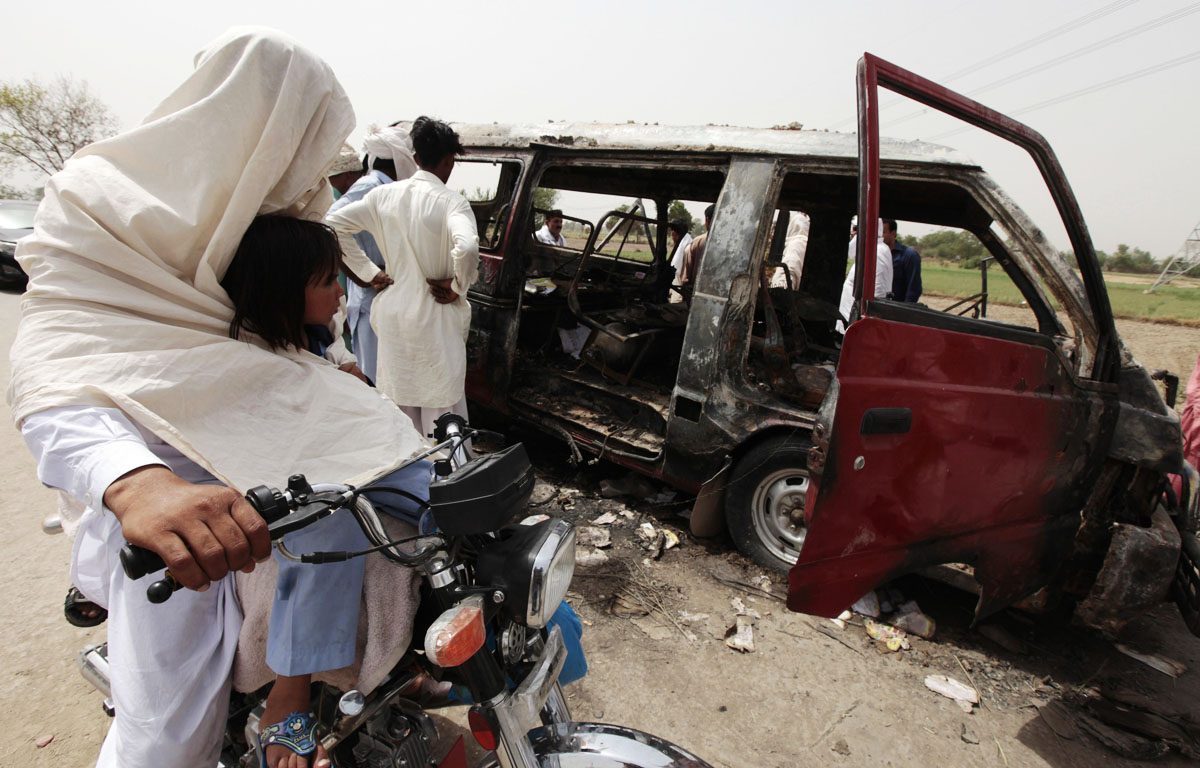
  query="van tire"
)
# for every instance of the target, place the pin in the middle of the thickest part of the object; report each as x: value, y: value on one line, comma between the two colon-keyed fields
x: 765, y: 497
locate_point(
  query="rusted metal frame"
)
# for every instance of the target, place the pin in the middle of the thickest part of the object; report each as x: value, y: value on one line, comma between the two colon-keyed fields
x: 874, y: 71
x: 573, y: 292
x: 868, y: 187
x: 978, y: 301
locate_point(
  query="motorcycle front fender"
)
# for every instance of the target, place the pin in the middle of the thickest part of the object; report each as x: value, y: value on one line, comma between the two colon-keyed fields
x: 598, y: 745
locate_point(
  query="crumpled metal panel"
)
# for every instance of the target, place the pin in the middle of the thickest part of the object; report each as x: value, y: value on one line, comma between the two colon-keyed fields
x: 1136, y: 574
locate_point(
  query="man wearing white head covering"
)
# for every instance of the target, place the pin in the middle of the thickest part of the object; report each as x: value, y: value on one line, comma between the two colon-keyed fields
x: 389, y: 155
x: 430, y: 244
x: 345, y: 171
x: 883, y: 274
x: 131, y: 395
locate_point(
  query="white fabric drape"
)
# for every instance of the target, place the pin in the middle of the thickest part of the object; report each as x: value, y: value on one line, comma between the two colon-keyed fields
x: 125, y: 309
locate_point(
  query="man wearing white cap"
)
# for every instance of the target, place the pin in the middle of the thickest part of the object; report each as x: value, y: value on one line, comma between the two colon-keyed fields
x: 345, y: 171
x: 390, y: 157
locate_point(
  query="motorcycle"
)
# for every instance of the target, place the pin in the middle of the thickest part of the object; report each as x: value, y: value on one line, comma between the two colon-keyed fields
x: 488, y: 593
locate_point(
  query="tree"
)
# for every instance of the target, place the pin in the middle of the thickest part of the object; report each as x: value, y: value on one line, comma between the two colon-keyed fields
x: 9, y: 192
x: 41, y: 126
x: 677, y: 210
x: 1126, y: 259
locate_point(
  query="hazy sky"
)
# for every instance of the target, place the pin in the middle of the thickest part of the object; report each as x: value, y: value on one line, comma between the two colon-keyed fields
x: 1130, y: 150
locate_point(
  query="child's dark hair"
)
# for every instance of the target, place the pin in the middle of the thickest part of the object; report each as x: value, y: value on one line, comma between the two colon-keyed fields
x: 276, y: 260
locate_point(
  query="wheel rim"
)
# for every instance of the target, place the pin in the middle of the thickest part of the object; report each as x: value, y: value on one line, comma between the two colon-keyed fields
x: 777, y: 512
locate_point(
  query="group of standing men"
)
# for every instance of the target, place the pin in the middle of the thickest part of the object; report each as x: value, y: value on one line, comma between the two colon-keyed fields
x: 411, y: 250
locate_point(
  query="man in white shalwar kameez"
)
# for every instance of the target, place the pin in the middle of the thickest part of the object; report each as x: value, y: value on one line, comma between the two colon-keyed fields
x: 389, y: 156
x: 427, y: 235
x: 883, y: 274
x: 140, y: 408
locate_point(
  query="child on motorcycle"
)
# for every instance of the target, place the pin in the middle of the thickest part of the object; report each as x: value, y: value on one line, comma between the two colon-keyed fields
x: 283, y: 285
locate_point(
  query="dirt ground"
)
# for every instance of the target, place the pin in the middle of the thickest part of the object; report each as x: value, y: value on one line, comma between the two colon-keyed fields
x: 809, y: 694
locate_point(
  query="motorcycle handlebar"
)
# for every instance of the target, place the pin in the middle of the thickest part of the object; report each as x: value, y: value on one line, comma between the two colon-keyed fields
x: 451, y: 433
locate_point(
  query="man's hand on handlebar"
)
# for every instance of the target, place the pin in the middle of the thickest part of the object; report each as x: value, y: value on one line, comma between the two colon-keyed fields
x: 202, y: 532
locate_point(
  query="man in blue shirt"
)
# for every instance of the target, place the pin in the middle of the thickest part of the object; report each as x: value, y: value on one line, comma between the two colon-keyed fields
x: 906, y: 266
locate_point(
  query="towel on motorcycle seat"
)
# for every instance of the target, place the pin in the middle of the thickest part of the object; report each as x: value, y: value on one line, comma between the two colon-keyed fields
x: 125, y: 308
x: 390, y: 597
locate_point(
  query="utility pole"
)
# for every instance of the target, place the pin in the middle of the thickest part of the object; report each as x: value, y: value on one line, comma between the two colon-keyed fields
x: 1185, y: 260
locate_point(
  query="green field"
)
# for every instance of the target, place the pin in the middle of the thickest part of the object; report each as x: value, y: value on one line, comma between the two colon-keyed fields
x: 1174, y: 303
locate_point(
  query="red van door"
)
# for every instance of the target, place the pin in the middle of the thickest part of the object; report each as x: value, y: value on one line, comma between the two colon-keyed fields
x: 944, y: 438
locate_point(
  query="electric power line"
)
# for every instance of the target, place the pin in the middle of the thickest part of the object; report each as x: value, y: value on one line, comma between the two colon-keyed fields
x: 1070, y: 26
x: 1195, y: 55
x: 1117, y: 38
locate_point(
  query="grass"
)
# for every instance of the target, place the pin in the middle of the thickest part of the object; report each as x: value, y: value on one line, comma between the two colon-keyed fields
x: 1172, y: 303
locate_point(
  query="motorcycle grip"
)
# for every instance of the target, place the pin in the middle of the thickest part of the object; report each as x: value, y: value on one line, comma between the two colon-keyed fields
x: 139, y: 561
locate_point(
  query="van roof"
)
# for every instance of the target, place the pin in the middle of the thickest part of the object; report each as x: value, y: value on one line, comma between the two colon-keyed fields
x: 705, y: 138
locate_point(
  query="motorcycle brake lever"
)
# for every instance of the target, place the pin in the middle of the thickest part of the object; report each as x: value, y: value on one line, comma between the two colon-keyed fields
x: 317, y: 506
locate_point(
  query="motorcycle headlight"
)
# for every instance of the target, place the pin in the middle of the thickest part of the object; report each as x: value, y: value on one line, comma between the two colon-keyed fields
x: 533, y: 566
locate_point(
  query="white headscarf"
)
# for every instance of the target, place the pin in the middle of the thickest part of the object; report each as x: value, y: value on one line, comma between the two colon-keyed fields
x: 347, y: 161
x: 393, y: 144
x: 125, y: 309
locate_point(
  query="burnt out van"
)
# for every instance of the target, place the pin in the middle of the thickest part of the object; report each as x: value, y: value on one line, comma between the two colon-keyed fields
x: 1034, y: 455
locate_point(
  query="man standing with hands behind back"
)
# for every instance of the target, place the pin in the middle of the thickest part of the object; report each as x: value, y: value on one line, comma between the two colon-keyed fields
x: 427, y: 236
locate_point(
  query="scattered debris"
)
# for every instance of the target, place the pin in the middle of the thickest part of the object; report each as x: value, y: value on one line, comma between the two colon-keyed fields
x: 652, y: 539
x: 662, y: 497
x: 867, y: 605
x: 608, y: 518
x: 1059, y: 719
x: 625, y: 607
x: 671, y: 539
x: 687, y: 617
x: 963, y: 695
x: 589, y: 536
x: 590, y: 558
x: 44, y: 740
x: 749, y: 589
x: 1155, y: 661
x: 740, y: 636
x: 913, y: 621
x: 841, y: 747
x: 763, y: 583
x: 1003, y: 638
x: 894, y: 639
x: 741, y: 610
x: 631, y: 484
x: 968, y: 736
x: 1123, y: 743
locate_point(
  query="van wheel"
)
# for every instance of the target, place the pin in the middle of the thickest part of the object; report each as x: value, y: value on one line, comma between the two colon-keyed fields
x: 764, y: 502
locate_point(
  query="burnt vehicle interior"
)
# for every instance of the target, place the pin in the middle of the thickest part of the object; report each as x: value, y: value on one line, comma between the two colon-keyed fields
x: 601, y: 326
x: 610, y: 292
x: 795, y: 345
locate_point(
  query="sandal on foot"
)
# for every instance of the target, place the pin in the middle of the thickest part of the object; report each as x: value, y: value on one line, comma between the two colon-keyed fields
x: 297, y: 732
x: 76, y: 608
